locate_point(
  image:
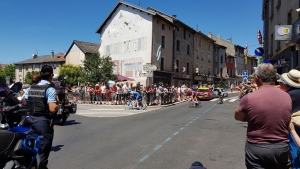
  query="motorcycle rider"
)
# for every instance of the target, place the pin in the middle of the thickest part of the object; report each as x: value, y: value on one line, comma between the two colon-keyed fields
x: 43, y: 94
x: 11, y: 100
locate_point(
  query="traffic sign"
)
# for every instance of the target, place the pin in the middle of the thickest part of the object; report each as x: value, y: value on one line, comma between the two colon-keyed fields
x: 146, y: 74
x: 245, y: 73
x: 150, y: 67
x: 245, y: 79
x: 259, y: 51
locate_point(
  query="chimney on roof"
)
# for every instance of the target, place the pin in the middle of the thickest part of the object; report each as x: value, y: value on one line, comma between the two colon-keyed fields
x: 52, y: 54
x: 210, y: 34
x: 229, y: 40
x: 34, y: 56
x: 219, y: 36
x: 174, y: 16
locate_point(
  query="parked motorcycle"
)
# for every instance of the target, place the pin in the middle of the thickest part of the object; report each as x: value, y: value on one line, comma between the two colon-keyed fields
x: 18, y: 144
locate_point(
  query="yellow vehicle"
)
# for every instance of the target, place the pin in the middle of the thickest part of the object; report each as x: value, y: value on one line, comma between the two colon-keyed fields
x: 205, y: 93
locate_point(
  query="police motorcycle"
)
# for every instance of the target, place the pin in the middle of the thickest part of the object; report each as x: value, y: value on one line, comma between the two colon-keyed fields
x: 65, y: 107
x: 19, y: 145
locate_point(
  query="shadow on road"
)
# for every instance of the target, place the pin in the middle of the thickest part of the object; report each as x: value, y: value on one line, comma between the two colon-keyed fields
x: 56, y: 148
x: 71, y: 122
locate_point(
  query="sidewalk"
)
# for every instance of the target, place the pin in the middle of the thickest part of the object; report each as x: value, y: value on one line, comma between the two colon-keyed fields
x: 111, y: 105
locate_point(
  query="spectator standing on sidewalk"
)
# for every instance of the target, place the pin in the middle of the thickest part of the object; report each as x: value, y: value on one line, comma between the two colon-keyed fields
x: 103, y: 87
x: 290, y: 84
x: 113, y: 90
x: 267, y: 145
x: 91, y: 92
x: 98, y: 94
x: 107, y: 94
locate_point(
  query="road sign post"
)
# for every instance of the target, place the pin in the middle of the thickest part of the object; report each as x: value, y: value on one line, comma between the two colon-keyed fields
x: 245, y: 76
x: 146, y: 74
x: 149, y: 67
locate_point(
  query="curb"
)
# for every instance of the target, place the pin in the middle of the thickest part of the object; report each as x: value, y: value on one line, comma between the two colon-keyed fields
x: 172, y: 104
x: 109, y: 105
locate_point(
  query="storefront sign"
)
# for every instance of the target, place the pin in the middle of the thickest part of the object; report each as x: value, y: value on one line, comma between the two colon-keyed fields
x: 162, y: 75
x: 186, y: 76
x: 296, y: 31
x: 283, y: 32
x: 197, y: 78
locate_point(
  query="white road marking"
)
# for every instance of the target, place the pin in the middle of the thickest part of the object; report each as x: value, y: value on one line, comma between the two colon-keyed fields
x: 232, y: 100
x: 214, y: 100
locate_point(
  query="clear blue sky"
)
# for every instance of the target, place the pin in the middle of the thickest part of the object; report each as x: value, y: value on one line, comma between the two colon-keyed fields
x: 40, y: 26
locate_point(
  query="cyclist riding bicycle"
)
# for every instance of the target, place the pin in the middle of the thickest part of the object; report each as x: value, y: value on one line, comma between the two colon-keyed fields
x: 193, y: 97
x: 136, y: 95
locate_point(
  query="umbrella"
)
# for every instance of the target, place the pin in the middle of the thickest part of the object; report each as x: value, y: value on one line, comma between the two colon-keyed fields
x: 124, y: 78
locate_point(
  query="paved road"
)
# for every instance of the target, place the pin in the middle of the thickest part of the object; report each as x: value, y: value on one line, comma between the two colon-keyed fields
x: 163, y: 138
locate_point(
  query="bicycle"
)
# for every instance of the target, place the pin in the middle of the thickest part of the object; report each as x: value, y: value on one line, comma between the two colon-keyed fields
x: 197, y: 103
x: 132, y: 104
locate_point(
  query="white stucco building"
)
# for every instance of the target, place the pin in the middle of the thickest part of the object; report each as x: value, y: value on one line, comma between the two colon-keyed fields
x: 126, y: 36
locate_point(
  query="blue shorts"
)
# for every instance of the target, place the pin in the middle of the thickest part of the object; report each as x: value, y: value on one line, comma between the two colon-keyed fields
x: 138, y: 97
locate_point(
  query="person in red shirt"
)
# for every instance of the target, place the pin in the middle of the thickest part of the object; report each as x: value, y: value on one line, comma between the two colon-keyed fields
x: 98, y: 94
x: 91, y: 92
x: 113, y: 90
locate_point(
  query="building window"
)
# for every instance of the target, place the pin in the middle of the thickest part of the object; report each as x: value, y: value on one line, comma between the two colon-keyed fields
x: 187, y: 68
x: 177, y: 28
x: 54, y: 66
x: 197, y: 54
x: 208, y: 57
x: 163, y: 42
x: 289, y: 18
x: 26, y: 67
x: 163, y: 26
x: 108, y: 50
x: 162, y: 64
x: 197, y: 68
x: 177, y: 65
x: 184, y: 34
x: 200, y: 42
x: 188, y: 49
x: 209, y: 47
x: 202, y: 55
x: 221, y: 58
x: 33, y: 67
x: 20, y: 68
x: 178, y: 45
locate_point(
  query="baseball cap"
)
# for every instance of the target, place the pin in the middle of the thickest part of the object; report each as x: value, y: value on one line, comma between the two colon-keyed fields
x: 47, y: 68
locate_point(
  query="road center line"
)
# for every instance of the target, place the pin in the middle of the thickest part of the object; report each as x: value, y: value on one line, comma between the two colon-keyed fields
x: 143, y: 159
x: 175, y: 133
x: 168, y: 139
x: 158, y: 147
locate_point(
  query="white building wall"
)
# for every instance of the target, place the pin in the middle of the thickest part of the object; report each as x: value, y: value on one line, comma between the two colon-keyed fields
x: 127, y: 38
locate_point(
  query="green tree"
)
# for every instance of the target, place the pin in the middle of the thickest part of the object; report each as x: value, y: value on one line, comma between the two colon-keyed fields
x: 2, y: 73
x: 28, y: 77
x: 71, y: 73
x: 99, y: 69
x: 9, y: 70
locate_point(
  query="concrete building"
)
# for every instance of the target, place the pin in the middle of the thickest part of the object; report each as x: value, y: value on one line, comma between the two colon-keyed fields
x: 134, y: 37
x: 232, y: 50
x: 219, y: 62
x: 204, y: 57
x: 80, y: 51
x: 37, y: 62
x: 278, y: 12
